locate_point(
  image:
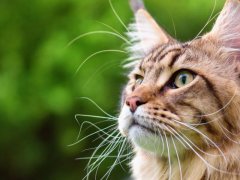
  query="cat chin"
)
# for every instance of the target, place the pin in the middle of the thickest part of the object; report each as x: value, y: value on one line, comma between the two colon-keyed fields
x: 155, y: 144
x: 146, y: 139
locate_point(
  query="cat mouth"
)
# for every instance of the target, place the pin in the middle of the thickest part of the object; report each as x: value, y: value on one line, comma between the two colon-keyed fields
x: 144, y: 127
x: 150, y: 127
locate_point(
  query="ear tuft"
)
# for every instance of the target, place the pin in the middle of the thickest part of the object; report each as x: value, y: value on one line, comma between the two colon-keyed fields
x: 227, y: 27
x: 136, y: 5
x: 145, y: 35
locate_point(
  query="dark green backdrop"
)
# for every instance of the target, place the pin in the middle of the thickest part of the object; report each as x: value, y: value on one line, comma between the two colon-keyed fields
x: 39, y: 89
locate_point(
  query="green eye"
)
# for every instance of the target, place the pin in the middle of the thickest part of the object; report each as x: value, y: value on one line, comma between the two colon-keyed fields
x: 139, y: 79
x: 183, y: 78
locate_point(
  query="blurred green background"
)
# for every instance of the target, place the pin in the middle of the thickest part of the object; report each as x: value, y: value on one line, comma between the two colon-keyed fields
x: 39, y: 94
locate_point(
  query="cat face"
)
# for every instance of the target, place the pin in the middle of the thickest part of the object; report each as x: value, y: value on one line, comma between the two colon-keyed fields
x: 182, y: 94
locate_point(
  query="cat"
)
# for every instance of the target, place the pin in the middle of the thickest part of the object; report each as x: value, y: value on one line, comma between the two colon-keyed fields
x: 181, y: 106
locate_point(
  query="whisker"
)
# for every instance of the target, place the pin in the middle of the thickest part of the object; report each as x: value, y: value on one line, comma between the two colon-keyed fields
x: 102, y: 137
x: 179, y: 162
x: 128, y: 155
x: 175, y: 132
x: 187, y: 139
x: 100, y: 70
x: 95, y: 104
x: 87, y: 122
x: 204, y: 123
x: 211, y: 17
x: 110, y: 27
x: 97, y: 157
x: 216, y: 112
x: 203, y: 135
x: 116, y: 14
x: 96, y: 53
x: 204, y: 160
x: 229, y: 131
x: 100, y: 130
x: 223, y: 128
x: 104, y: 144
x: 174, y: 27
x: 94, y: 116
x: 98, y: 32
x: 114, y: 164
x: 159, y: 132
x: 109, y: 149
x: 94, y: 125
x: 169, y: 157
x: 126, y: 159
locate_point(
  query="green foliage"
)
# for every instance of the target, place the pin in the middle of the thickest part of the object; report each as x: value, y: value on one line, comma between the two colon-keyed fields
x: 39, y: 88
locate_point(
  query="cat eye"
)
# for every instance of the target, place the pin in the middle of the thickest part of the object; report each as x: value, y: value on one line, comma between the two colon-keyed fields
x: 139, y: 79
x: 182, y: 78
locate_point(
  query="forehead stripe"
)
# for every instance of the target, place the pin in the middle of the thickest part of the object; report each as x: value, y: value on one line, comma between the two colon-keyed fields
x: 165, y: 54
x: 175, y: 58
x: 157, y: 52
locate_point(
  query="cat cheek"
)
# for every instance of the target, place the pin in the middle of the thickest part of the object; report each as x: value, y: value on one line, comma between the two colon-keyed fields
x: 125, y: 120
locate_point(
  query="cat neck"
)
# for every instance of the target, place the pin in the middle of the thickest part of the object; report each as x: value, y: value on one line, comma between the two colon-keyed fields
x: 210, y: 165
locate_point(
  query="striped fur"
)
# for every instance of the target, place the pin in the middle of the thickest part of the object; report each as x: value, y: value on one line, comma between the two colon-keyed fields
x: 193, y: 131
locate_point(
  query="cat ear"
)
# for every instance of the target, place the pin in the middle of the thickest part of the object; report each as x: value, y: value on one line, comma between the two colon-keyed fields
x: 145, y: 33
x: 136, y: 5
x: 227, y: 27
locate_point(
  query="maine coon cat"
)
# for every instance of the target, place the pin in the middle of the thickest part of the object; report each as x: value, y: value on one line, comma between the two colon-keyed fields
x: 181, y: 106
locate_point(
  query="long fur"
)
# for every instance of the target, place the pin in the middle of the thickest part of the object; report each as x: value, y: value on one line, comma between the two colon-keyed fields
x: 194, y: 130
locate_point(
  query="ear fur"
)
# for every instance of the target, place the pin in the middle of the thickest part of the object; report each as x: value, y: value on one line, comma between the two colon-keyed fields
x: 145, y: 34
x: 136, y: 5
x: 227, y: 27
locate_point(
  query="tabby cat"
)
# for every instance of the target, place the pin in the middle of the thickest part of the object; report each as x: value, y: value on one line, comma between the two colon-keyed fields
x: 181, y: 106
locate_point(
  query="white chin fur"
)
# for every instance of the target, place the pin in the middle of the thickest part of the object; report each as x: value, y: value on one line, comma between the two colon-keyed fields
x: 154, y: 143
x: 125, y: 120
x: 144, y: 139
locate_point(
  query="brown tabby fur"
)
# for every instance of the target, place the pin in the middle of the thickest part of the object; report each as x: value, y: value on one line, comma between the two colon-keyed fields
x: 212, y: 101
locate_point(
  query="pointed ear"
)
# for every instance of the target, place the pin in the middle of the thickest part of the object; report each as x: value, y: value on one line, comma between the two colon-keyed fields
x: 136, y: 5
x: 227, y: 27
x: 146, y: 34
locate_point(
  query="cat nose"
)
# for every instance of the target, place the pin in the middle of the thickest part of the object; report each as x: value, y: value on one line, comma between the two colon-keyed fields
x: 133, y: 103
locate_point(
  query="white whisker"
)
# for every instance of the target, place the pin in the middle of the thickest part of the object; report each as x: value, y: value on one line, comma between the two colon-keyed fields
x: 111, y: 28
x: 96, y: 53
x: 98, y: 32
x: 223, y: 128
x: 108, y: 150
x: 194, y: 145
x: 95, y: 104
x: 203, y: 135
x: 91, y: 124
x: 159, y: 132
x: 114, y: 164
x: 204, y: 160
x: 101, y: 130
x: 116, y: 14
x: 100, y: 70
x: 216, y: 112
x: 169, y: 157
x: 211, y: 17
x: 179, y: 162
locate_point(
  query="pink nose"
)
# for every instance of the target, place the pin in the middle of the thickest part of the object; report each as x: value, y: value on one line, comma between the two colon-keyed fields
x: 134, y: 102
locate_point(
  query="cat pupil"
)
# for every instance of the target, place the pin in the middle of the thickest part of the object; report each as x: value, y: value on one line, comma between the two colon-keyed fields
x: 183, y: 78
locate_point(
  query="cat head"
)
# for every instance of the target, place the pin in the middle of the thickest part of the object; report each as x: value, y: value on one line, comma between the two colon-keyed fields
x: 182, y: 94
